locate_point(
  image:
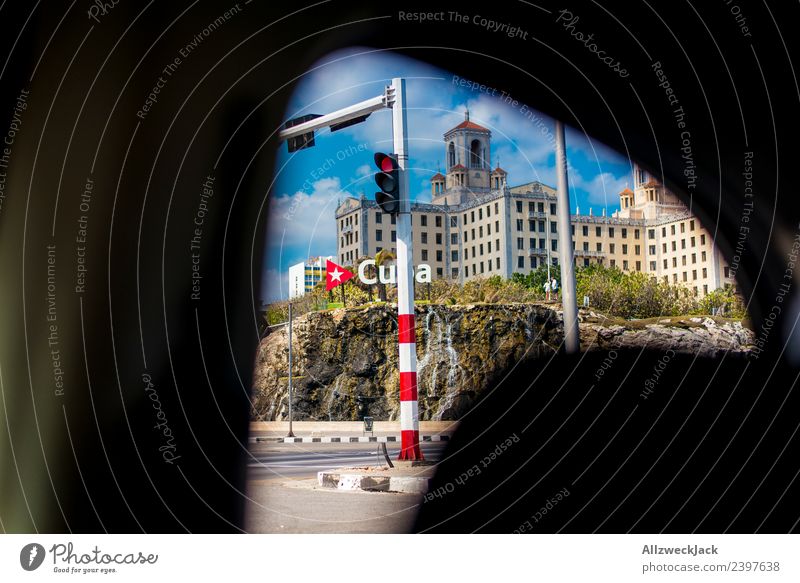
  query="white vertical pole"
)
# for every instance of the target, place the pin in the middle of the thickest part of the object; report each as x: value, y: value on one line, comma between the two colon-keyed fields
x: 568, y: 294
x: 409, y: 407
x: 290, y: 434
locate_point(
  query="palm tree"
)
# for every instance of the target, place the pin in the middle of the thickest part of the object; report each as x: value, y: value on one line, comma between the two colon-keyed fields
x: 383, y: 257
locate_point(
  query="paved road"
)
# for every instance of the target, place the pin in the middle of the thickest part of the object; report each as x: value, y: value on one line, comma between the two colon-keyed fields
x: 284, y: 497
x: 304, y: 460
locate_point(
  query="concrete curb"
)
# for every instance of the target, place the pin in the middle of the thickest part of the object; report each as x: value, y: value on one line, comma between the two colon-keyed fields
x: 346, y: 439
x: 373, y: 483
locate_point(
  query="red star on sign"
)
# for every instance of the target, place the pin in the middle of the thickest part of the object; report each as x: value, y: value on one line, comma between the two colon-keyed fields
x: 336, y: 275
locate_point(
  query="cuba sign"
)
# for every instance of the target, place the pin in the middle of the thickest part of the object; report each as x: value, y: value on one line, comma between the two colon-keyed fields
x: 337, y: 275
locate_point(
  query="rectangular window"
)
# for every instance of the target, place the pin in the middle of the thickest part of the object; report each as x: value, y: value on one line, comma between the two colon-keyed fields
x: 691, y: 225
x: 552, y: 208
x: 554, y: 244
x: 424, y: 220
x: 454, y: 256
x: 612, y: 247
x: 533, y: 262
x: 663, y: 231
x: 553, y: 227
x: 638, y: 266
x: 637, y: 249
x: 379, y: 235
x: 675, y: 278
x: 666, y: 264
x: 613, y: 263
x: 424, y: 254
x: 423, y: 237
x: 652, y: 266
x: 480, y: 249
x: 705, y: 273
x: 672, y: 229
x: 694, y: 274
x: 572, y: 230
x: 393, y: 219
x: 664, y: 247
x: 702, y: 239
x: 496, y: 208
x: 542, y: 244
x: 683, y: 227
x: 531, y: 225
x: 466, y: 254
x: 497, y: 262
x: 694, y: 257
x: 466, y: 236
x: 674, y: 246
x: 438, y: 220
x: 454, y: 272
x: 683, y: 260
x: 692, y: 242
x: 651, y: 233
x: 480, y: 213
x: 454, y: 238
x: 541, y: 226
x: 599, y: 247
x: 472, y: 234
x: 497, y: 226
x: 585, y: 245
x: 540, y: 207
x: 705, y: 290
x: 674, y: 262
x: 394, y: 236
x: 519, y: 206
x: 703, y: 256
x: 585, y: 230
x: 624, y: 233
x: 636, y: 233
x: 685, y: 278
x: 438, y: 238
x: 520, y: 243
x: 439, y: 255
x: 472, y: 219
x: 625, y: 249
x: 611, y: 232
x: 683, y: 243
x: 652, y: 249
x: 521, y: 262
x: 625, y: 264
x: 519, y: 224
x: 379, y: 217
x: 453, y: 221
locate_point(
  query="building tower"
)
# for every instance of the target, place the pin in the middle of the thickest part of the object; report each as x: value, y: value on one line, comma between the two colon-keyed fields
x: 467, y: 163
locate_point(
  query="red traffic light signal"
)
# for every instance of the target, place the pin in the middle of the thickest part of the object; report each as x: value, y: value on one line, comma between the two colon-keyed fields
x: 388, y: 180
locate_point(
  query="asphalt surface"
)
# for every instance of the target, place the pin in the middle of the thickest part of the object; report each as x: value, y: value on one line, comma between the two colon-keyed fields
x: 284, y: 496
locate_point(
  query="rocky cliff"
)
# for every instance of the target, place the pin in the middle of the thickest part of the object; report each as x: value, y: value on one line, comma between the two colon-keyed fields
x: 345, y: 361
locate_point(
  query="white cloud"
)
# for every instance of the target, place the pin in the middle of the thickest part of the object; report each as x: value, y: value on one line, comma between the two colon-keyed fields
x: 301, y: 225
x: 363, y: 170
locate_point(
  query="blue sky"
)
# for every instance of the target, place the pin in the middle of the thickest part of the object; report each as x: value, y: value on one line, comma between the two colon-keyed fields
x: 310, y: 183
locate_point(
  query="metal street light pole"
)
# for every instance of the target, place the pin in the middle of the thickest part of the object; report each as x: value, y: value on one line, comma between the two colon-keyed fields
x: 409, y: 407
x: 290, y: 434
x: 568, y: 297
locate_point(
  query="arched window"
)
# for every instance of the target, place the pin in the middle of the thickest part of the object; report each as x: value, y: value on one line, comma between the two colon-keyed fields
x: 475, y: 154
x: 451, y: 155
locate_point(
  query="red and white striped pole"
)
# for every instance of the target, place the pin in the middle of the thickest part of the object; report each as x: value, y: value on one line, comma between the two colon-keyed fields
x: 409, y: 407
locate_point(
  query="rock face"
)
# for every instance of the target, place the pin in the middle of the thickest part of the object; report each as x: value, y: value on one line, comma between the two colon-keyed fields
x: 345, y: 361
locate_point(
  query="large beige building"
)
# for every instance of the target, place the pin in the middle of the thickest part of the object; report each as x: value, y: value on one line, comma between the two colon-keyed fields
x: 478, y: 226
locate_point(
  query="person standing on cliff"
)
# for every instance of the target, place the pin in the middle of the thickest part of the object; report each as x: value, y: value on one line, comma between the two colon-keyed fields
x: 547, y: 290
x: 554, y: 287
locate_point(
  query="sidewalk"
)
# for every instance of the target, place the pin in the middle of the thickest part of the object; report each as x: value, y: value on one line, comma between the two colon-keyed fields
x: 345, y: 431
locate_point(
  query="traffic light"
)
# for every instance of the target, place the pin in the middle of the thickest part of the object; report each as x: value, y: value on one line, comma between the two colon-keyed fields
x: 388, y: 180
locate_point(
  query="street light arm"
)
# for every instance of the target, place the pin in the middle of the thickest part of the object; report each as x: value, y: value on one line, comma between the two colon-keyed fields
x: 339, y: 116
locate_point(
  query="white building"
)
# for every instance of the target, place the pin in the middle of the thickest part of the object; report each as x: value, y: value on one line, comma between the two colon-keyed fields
x: 305, y: 275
